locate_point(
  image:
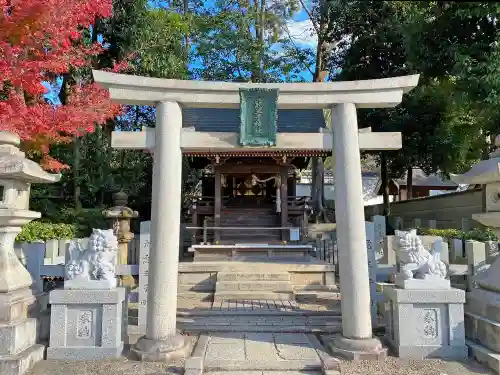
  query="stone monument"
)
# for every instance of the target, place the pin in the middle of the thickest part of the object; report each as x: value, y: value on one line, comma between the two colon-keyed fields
x: 482, y: 318
x: 121, y: 216
x: 18, y: 332
x: 424, y: 314
x: 87, y: 315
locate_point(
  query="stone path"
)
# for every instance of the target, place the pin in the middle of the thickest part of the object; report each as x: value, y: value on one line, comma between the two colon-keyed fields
x: 392, y: 366
x: 266, y: 373
x: 258, y: 352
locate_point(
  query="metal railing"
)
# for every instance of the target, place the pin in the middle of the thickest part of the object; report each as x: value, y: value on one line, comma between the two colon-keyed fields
x: 206, y: 228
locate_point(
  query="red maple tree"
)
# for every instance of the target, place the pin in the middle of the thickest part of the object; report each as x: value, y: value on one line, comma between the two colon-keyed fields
x: 39, y: 41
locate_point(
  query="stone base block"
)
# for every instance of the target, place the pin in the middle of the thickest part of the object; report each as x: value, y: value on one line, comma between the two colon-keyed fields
x: 484, y: 303
x: 17, y: 337
x: 14, y: 306
x: 175, y: 348
x: 485, y: 356
x: 23, y: 362
x: 357, y: 349
x: 425, y: 323
x: 435, y: 283
x: 84, y: 353
x: 483, y: 331
x: 90, y: 284
x: 86, y: 324
x: 429, y: 351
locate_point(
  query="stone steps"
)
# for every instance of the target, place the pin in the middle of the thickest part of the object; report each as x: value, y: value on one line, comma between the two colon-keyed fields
x: 316, y: 295
x: 253, y: 276
x: 261, y: 286
x: 253, y: 286
x: 253, y: 295
x: 270, y: 324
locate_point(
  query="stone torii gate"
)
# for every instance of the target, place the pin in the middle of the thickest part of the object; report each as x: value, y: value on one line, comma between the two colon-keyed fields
x: 168, y: 139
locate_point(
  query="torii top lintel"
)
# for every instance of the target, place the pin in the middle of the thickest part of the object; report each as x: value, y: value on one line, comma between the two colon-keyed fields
x: 372, y: 93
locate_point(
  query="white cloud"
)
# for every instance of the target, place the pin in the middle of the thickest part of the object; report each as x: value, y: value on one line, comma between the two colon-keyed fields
x: 302, y: 33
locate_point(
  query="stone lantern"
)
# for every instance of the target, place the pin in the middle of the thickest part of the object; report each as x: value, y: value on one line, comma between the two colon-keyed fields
x: 482, y: 320
x: 121, y: 215
x: 18, y: 333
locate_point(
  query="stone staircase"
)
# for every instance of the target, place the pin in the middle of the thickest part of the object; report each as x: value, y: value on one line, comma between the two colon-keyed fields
x: 262, y: 216
x: 279, y: 316
x: 253, y: 286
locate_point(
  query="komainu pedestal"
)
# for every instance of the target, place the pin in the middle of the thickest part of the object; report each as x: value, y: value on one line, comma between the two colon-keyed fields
x: 424, y: 315
x: 87, y: 315
x: 86, y: 324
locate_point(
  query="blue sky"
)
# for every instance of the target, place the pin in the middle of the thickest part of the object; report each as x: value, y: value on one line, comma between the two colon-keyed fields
x: 299, y: 29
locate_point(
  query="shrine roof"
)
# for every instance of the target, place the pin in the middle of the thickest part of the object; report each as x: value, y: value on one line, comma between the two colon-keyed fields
x: 228, y: 120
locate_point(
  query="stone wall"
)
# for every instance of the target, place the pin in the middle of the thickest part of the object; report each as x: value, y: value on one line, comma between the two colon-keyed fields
x: 448, y: 210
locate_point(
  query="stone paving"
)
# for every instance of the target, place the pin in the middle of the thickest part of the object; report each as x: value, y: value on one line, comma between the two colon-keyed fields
x: 392, y: 366
x: 261, y: 351
x: 258, y: 353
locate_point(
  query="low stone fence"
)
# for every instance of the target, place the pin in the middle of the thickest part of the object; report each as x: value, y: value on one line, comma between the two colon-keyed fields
x: 451, y: 210
x: 462, y: 256
x: 55, y: 250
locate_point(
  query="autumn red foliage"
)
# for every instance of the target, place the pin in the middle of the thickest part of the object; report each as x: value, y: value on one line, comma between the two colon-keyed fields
x: 39, y: 41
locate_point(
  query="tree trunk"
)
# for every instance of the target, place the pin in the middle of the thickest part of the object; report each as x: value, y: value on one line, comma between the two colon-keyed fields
x: 187, y: 45
x: 76, y: 176
x: 409, y: 183
x: 384, y: 176
x: 262, y: 20
x: 63, y: 97
x: 317, y: 166
x: 318, y: 171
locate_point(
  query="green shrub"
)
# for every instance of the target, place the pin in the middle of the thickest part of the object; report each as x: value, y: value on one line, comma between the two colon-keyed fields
x: 44, y: 231
x: 84, y: 220
x: 475, y: 234
x: 445, y: 233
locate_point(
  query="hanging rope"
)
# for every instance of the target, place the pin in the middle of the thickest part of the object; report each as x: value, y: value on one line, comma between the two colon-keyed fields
x: 255, y: 179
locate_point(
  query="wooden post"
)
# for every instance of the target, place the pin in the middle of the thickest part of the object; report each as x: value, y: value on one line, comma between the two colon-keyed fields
x: 217, y: 203
x: 194, y: 222
x: 284, y: 202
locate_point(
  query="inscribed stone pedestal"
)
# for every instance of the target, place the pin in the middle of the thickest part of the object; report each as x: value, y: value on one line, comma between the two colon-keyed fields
x: 426, y: 323
x: 86, y: 324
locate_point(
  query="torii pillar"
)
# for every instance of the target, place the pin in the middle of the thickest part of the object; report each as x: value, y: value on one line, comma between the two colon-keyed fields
x: 162, y: 341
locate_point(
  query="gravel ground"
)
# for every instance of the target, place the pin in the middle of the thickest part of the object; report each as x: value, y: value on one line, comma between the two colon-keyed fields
x: 392, y: 366
x: 120, y: 366
x: 396, y: 366
x: 117, y: 367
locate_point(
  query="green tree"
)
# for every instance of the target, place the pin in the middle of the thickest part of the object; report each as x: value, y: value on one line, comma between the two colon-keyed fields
x: 440, y: 130
x: 238, y: 41
x: 152, y: 40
